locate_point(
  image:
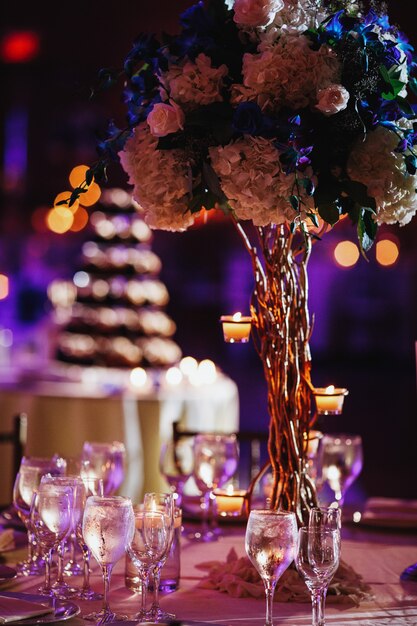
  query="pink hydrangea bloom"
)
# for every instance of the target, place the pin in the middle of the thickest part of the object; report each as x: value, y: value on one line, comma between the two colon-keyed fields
x: 256, y: 12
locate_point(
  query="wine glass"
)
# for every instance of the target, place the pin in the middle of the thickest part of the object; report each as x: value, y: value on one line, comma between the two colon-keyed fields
x: 26, y: 481
x: 215, y: 461
x: 163, y: 503
x: 106, y: 461
x: 270, y: 543
x: 317, y: 560
x: 76, y: 486
x: 176, y: 465
x: 51, y: 519
x: 147, y: 548
x: 341, y: 461
x: 326, y: 518
x: 108, y: 529
x: 92, y: 487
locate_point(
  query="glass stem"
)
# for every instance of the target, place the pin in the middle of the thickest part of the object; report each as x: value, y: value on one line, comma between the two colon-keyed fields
x: 86, y: 567
x: 60, y: 573
x: 156, y: 580
x: 31, y: 551
x: 206, y: 513
x: 144, y: 579
x: 269, y: 593
x: 318, y: 597
x: 106, y: 569
x: 48, y: 561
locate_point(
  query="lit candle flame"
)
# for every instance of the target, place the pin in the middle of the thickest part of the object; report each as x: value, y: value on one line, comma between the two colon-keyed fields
x: 237, y: 316
x: 330, y: 390
x: 229, y: 490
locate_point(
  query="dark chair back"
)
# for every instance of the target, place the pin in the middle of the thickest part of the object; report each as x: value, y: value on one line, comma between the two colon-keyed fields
x: 17, y: 438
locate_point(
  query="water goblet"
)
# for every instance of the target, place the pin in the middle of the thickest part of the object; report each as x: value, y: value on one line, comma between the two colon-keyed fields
x: 106, y: 461
x: 92, y: 487
x: 270, y: 543
x: 108, y: 529
x: 340, y: 461
x: 51, y: 518
x: 76, y: 485
x: 176, y: 465
x: 215, y: 461
x: 148, y: 548
x: 162, y: 503
x: 317, y: 560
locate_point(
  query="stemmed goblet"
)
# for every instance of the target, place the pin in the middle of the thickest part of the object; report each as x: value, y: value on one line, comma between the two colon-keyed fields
x: 106, y: 461
x: 93, y: 487
x: 147, y: 548
x: 270, y: 542
x: 108, y: 529
x: 51, y: 519
x: 163, y: 503
x: 340, y: 462
x: 316, y: 561
x: 215, y: 461
x: 176, y: 465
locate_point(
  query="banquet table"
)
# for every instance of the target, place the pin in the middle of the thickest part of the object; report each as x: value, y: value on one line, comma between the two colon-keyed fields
x: 379, y: 556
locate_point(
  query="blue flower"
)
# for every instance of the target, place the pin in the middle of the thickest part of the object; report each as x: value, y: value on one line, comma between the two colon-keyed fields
x: 248, y: 119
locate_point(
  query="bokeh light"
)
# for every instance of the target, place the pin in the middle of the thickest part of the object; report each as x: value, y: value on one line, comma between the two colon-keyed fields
x: 64, y: 196
x: 4, y: 286
x: 20, y: 46
x: 59, y: 219
x: 91, y: 196
x: 346, y: 253
x: 77, y: 175
x: 80, y: 219
x: 387, y: 252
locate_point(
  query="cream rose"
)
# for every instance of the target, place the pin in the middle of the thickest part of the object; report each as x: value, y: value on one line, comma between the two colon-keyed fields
x: 256, y: 12
x: 332, y: 99
x: 165, y: 119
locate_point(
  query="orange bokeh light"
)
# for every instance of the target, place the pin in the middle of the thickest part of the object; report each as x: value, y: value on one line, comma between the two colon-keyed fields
x: 387, y: 252
x: 59, y: 220
x: 77, y: 175
x: 346, y: 254
x: 91, y: 196
x: 65, y: 195
x: 4, y: 286
x: 38, y: 219
x: 80, y: 219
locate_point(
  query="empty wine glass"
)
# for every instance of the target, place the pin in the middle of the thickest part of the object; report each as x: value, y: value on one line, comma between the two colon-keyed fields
x: 92, y: 487
x: 270, y: 543
x: 317, y: 560
x: 325, y: 518
x: 27, y: 480
x: 341, y: 461
x: 108, y: 529
x: 163, y: 503
x: 51, y: 518
x: 106, y: 461
x: 215, y: 461
x: 176, y: 465
x: 148, y: 548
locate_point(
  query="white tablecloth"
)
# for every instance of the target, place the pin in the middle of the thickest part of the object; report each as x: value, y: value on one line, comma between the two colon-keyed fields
x: 379, y: 557
x: 62, y: 415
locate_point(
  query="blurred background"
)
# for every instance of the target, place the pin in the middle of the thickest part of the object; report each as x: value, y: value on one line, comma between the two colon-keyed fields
x: 365, y: 325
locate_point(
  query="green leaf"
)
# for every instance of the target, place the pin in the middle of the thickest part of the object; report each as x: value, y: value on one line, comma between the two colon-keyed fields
x: 405, y: 106
x: 89, y: 176
x: 314, y: 218
x: 329, y: 212
x: 359, y: 193
x: 204, y: 199
x: 295, y: 203
x: 367, y: 229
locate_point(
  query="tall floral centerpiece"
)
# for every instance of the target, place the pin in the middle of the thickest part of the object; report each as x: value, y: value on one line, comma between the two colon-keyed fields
x: 289, y: 115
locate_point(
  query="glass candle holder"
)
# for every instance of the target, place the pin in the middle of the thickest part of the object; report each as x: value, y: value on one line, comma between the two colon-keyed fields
x: 236, y: 328
x: 230, y: 502
x: 329, y: 400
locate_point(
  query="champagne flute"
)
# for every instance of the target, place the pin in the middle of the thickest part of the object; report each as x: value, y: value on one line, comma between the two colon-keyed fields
x: 148, y: 548
x: 340, y: 460
x: 215, y: 461
x: 176, y: 465
x: 317, y: 560
x: 106, y: 461
x: 92, y: 487
x: 51, y: 518
x: 270, y: 542
x: 163, y: 503
x: 108, y: 529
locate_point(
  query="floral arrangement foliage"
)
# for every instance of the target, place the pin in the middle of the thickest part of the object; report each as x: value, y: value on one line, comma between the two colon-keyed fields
x: 278, y: 111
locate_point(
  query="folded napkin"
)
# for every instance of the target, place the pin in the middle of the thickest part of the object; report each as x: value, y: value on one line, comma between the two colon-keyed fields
x: 238, y: 577
x: 16, y: 609
x: 390, y: 512
x: 11, y: 539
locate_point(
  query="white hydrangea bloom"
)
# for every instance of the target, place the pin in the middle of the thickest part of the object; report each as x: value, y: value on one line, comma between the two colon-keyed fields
x: 161, y: 179
x: 194, y: 84
x: 288, y: 73
x: 253, y: 181
x: 374, y: 163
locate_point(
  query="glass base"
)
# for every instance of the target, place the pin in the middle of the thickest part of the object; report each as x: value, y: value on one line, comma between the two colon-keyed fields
x: 105, y: 617
x: 36, y: 567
